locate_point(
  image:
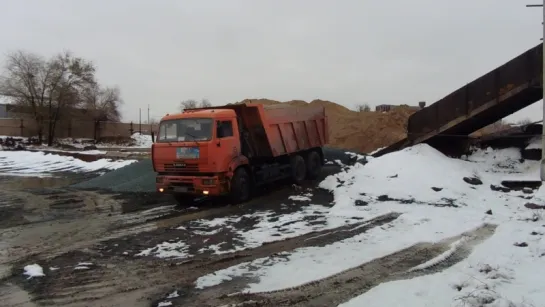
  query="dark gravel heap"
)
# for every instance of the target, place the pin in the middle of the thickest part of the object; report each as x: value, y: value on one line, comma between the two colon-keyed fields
x: 135, y: 177
x: 140, y: 177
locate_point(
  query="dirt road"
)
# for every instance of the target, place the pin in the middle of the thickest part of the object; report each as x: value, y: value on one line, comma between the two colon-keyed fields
x: 101, y: 249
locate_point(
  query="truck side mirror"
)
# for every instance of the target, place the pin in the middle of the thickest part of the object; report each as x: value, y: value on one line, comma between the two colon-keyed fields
x: 152, y: 137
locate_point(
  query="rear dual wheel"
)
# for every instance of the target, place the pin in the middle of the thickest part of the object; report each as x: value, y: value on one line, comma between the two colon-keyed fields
x: 298, y: 169
x: 309, y: 168
x: 314, y: 165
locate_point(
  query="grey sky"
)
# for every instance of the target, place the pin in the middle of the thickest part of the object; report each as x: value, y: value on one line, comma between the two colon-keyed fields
x: 349, y: 51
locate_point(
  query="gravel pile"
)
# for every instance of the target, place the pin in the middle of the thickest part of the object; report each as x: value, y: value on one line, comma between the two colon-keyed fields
x: 135, y: 177
x: 140, y: 177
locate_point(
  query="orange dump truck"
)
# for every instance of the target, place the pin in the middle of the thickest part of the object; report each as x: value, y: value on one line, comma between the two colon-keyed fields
x: 229, y: 150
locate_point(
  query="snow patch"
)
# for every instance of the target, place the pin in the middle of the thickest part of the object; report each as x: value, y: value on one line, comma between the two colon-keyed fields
x: 436, y: 202
x: 304, y: 197
x: 167, y: 250
x: 38, y: 163
x: 534, y: 143
x: 33, y: 270
x: 142, y: 140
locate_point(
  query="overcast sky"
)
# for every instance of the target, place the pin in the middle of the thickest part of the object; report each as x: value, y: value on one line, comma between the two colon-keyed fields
x: 346, y: 51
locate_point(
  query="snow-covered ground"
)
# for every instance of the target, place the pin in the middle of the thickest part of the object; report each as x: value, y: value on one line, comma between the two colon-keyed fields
x: 28, y: 163
x: 269, y: 226
x: 142, y: 140
x: 534, y: 143
x: 33, y: 270
x: 137, y: 140
x: 438, y: 197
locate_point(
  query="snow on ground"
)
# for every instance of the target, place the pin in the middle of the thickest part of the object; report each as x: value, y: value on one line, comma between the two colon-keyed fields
x: 83, y: 152
x: 167, y: 250
x: 436, y: 201
x: 268, y: 226
x: 142, y: 140
x: 137, y: 141
x: 30, y: 163
x: 496, y: 272
x: 534, y: 143
x: 376, y: 150
x: 304, y: 197
x: 33, y: 270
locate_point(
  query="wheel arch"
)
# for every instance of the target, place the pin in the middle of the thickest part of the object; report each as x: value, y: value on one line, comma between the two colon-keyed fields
x: 236, y: 163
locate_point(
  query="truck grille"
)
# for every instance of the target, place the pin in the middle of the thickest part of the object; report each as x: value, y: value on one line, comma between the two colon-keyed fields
x: 181, y: 167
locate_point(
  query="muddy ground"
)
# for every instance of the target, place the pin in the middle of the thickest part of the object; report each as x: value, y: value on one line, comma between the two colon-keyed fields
x: 88, y: 241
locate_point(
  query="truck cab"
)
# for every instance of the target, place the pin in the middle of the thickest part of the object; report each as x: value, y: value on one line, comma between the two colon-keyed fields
x: 193, y: 151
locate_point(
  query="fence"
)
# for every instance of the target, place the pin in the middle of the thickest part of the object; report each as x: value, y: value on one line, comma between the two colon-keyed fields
x: 80, y: 129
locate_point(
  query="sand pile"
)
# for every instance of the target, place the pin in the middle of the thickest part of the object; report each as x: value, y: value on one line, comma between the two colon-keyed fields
x: 358, y: 131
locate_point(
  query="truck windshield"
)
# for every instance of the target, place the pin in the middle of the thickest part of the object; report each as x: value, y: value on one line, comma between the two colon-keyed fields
x: 186, y: 129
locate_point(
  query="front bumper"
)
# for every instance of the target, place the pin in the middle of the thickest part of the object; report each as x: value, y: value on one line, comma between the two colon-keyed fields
x: 212, y: 186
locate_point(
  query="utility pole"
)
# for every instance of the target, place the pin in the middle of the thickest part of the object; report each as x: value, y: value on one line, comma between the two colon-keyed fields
x: 542, y: 168
x: 148, y: 116
x: 140, y: 120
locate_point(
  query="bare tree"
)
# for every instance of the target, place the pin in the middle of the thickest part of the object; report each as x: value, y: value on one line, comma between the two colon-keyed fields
x: 102, y: 102
x: 47, y: 87
x: 26, y: 84
x: 364, y: 108
x: 205, y: 103
x: 188, y: 104
x: 194, y: 104
x: 71, y: 76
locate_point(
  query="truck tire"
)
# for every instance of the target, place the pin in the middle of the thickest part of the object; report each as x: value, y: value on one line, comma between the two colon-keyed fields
x: 240, y: 186
x: 314, y: 165
x: 298, y: 169
x: 184, y: 200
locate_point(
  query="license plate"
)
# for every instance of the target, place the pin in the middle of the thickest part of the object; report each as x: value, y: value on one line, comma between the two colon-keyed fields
x: 179, y: 165
x: 187, y: 153
x: 180, y: 189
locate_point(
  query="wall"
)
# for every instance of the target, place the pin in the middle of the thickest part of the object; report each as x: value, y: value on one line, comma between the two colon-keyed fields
x: 3, y: 111
x: 73, y: 128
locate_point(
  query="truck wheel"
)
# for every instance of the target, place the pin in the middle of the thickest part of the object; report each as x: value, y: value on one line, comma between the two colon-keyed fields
x: 298, y: 169
x: 184, y: 200
x: 314, y: 165
x: 240, y: 186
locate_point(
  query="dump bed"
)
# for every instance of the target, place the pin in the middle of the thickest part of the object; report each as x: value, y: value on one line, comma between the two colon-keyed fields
x: 291, y: 129
x: 274, y: 130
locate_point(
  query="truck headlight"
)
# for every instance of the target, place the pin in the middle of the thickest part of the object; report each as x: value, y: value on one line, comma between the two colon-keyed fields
x: 208, y: 181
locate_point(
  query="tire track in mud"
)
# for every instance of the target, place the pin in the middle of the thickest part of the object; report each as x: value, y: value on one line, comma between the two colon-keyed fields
x: 343, y: 286
x: 40, y: 209
x: 139, y: 279
x: 68, y: 220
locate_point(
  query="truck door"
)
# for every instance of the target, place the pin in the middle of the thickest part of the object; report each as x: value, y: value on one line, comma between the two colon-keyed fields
x: 227, y: 139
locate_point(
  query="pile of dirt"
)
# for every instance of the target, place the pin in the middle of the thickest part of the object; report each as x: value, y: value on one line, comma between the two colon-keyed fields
x: 493, y: 128
x: 357, y: 131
